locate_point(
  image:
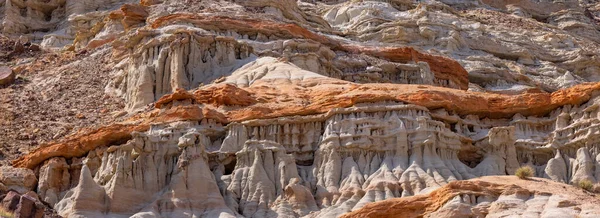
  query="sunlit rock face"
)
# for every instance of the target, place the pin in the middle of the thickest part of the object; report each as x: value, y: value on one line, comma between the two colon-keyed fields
x: 319, y: 108
x: 317, y: 165
x: 158, y: 68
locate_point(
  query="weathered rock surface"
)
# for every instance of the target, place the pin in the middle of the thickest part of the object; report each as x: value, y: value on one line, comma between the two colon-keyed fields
x: 19, y: 179
x: 284, y: 98
x: 289, y: 108
x: 337, y: 158
x: 490, y: 197
x: 23, y: 206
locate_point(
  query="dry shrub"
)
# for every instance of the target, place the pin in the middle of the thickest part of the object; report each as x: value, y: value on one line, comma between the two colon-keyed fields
x: 524, y: 172
x: 5, y: 214
x: 586, y: 185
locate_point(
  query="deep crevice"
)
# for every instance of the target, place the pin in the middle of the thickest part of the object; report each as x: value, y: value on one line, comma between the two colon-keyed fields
x: 470, y: 156
x: 229, y: 167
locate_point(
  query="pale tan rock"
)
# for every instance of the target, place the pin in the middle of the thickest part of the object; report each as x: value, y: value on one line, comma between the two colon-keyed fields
x: 19, y: 179
x: 268, y: 69
x: 161, y: 67
x: 435, y: 25
x: 54, y: 179
x: 62, y: 20
x: 90, y: 197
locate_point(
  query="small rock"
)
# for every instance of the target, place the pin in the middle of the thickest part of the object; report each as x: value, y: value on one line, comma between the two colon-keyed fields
x: 7, y: 76
x: 82, y: 52
x: 55, y: 136
x: 23, y: 40
x: 80, y: 116
x: 11, y: 200
x: 32, y: 195
x: 18, y: 49
x: 34, y: 47
x: 119, y: 114
x: 566, y: 203
x: 27, y: 208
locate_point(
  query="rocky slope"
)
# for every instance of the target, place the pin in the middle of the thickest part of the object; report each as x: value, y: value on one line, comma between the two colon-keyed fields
x: 263, y: 108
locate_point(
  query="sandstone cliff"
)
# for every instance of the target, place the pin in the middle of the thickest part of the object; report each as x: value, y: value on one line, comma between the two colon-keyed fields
x: 289, y: 108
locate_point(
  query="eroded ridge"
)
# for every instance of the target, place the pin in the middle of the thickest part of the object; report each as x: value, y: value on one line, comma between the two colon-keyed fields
x: 324, y: 162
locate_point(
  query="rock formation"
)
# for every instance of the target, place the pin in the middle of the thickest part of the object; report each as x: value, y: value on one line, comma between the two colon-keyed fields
x: 320, y: 108
x: 489, y: 197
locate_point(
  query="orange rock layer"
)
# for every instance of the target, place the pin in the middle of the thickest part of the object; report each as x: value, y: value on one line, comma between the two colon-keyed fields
x: 276, y: 98
x: 81, y: 143
x: 280, y: 97
x: 489, y: 187
x: 443, y: 68
x: 422, y: 205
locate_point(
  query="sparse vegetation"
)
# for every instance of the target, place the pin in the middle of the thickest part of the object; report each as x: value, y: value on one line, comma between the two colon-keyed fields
x: 524, y: 172
x: 23, y: 78
x: 6, y: 214
x: 586, y: 185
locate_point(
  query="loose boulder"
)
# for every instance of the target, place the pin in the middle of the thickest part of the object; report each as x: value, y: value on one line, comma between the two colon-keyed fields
x: 21, y: 180
x: 7, y: 76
